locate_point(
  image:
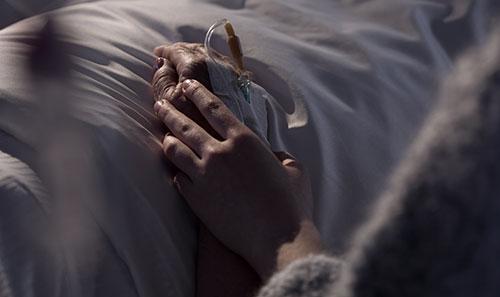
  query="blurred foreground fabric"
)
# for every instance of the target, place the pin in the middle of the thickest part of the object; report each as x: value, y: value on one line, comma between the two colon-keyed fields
x: 353, y: 80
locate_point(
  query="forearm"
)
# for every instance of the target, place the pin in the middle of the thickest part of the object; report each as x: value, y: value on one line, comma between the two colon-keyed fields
x: 221, y: 272
x: 280, y: 253
x: 306, y: 242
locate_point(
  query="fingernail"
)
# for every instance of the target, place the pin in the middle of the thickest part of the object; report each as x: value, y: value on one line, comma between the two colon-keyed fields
x: 290, y: 162
x: 186, y: 83
x: 159, y: 63
x: 157, y: 105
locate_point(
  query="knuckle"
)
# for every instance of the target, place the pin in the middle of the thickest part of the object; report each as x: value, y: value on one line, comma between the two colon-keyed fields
x: 179, y: 44
x: 210, y: 151
x: 214, y: 154
x: 187, y: 69
x: 202, y: 50
x: 161, y: 83
x: 242, y: 138
x: 197, y: 46
x: 196, y: 89
x: 212, y: 106
x: 164, y: 112
x: 169, y: 146
x: 162, y: 91
x: 193, y: 63
x: 167, y: 69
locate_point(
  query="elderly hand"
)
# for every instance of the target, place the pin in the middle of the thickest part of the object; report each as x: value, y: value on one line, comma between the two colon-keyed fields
x: 220, y: 272
x: 180, y: 61
x: 256, y: 202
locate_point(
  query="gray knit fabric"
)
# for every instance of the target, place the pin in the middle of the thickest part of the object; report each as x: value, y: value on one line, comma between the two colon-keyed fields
x: 311, y: 277
x: 436, y: 231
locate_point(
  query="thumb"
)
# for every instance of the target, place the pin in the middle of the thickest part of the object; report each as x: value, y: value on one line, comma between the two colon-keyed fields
x: 288, y: 160
x: 299, y: 177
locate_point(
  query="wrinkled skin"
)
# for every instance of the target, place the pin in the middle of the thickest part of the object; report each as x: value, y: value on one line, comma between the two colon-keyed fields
x: 176, y: 63
x: 220, y: 271
x: 254, y: 201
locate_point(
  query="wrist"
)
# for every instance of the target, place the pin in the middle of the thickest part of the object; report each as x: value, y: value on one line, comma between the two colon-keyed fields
x: 305, y: 241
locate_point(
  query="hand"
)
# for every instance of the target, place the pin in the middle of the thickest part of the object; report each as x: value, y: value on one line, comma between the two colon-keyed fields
x: 256, y: 202
x: 220, y: 272
x: 178, y: 62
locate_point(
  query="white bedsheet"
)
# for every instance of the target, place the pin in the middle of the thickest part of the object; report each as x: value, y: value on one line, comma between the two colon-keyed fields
x: 353, y: 81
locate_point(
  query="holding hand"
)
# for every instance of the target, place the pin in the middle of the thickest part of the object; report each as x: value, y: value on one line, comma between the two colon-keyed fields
x: 220, y: 272
x: 256, y: 202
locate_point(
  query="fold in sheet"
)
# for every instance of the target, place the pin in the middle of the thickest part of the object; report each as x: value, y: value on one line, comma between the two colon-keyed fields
x: 351, y: 82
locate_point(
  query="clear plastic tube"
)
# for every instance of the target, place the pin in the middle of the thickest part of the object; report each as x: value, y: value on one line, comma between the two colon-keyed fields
x: 243, y: 80
x: 208, y: 40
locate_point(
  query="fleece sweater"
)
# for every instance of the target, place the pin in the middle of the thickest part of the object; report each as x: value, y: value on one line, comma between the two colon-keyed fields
x: 436, y: 229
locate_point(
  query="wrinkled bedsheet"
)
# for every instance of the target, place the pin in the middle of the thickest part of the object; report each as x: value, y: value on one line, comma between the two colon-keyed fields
x: 353, y: 80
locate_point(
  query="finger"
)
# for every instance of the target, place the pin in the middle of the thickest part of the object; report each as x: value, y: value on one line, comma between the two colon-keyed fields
x: 286, y: 159
x: 182, y: 56
x: 165, y: 86
x: 212, y: 108
x: 183, y: 127
x: 165, y: 81
x: 180, y: 155
x: 291, y: 165
x: 158, y: 51
x: 189, y: 59
x: 183, y: 184
x: 158, y: 63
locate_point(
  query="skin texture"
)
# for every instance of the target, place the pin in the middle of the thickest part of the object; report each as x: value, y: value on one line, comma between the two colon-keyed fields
x: 270, y: 189
x: 254, y: 201
x: 220, y: 271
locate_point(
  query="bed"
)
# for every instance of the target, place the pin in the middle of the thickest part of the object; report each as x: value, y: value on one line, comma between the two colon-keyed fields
x: 352, y: 79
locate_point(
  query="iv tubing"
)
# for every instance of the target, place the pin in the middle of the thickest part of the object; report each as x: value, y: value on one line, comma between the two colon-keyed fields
x: 207, y: 42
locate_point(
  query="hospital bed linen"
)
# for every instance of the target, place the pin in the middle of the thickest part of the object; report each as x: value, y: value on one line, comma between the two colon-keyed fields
x: 352, y: 80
